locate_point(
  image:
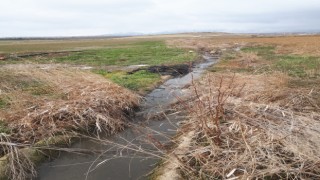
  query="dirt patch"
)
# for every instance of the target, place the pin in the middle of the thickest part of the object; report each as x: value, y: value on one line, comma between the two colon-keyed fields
x: 2, y: 57
x: 175, y: 70
x: 41, y: 54
x: 163, y: 70
x: 170, y: 168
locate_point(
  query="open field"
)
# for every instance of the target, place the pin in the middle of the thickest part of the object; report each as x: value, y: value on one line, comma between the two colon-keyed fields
x: 120, y: 53
x: 103, y: 56
x: 255, y: 114
x: 298, y: 45
x: 149, y: 52
x: 27, y: 46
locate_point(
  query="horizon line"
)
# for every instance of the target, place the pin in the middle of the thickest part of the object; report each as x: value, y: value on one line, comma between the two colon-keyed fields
x: 137, y: 34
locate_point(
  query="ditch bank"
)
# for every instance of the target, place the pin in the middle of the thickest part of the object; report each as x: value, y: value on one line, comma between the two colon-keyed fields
x: 134, y: 152
x: 52, y: 103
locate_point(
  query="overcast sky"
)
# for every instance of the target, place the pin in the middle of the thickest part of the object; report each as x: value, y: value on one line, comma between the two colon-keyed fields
x: 98, y: 17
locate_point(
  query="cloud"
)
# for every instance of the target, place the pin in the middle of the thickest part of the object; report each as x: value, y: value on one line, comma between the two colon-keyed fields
x: 95, y: 17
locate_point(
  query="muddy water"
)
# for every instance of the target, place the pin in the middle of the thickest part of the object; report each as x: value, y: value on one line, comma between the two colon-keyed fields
x: 105, y: 160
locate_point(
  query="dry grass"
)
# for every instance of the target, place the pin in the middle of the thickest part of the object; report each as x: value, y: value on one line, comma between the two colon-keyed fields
x: 269, y: 125
x: 46, y: 101
x: 262, y: 123
x: 53, y: 45
x: 19, y: 165
x: 40, y: 102
x: 262, y: 134
x: 284, y: 45
x: 27, y: 46
x: 244, y: 61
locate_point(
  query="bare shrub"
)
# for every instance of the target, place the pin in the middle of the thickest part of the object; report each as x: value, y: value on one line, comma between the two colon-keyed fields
x: 256, y: 139
x: 209, y: 109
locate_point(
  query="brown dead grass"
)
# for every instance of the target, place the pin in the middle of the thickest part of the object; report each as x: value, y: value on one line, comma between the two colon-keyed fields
x: 266, y: 131
x: 284, y: 45
x: 44, y: 101
x: 47, y: 101
x: 244, y: 61
x: 269, y: 125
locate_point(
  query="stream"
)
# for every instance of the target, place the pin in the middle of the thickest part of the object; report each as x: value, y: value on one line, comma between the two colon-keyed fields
x: 127, y: 155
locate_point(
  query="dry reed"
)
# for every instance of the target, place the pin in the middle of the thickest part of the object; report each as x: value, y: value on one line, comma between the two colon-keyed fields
x: 257, y: 138
x: 50, y: 101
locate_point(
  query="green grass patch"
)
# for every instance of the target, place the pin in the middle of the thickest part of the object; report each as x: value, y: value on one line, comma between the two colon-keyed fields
x: 4, y: 101
x: 11, y: 82
x: 234, y: 70
x: 217, y: 69
x: 294, y: 65
x: 151, y: 53
x: 30, y: 85
x: 265, y: 51
x: 298, y: 65
x: 37, y: 88
x: 229, y: 55
x: 4, y: 127
x: 138, y: 81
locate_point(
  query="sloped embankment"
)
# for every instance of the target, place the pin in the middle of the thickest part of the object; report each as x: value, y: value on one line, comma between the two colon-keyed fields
x: 38, y: 102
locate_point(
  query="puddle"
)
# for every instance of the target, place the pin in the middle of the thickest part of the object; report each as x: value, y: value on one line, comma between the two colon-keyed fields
x: 114, y: 162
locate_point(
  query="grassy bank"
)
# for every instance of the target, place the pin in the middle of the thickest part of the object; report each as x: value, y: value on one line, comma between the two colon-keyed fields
x: 38, y: 104
x: 32, y: 95
x: 139, y: 81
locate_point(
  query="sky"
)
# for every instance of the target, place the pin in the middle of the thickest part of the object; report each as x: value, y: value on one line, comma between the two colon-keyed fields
x: 34, y: 18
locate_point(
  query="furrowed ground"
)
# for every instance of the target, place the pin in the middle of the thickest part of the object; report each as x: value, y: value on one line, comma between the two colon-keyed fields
x: 255, y: 114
